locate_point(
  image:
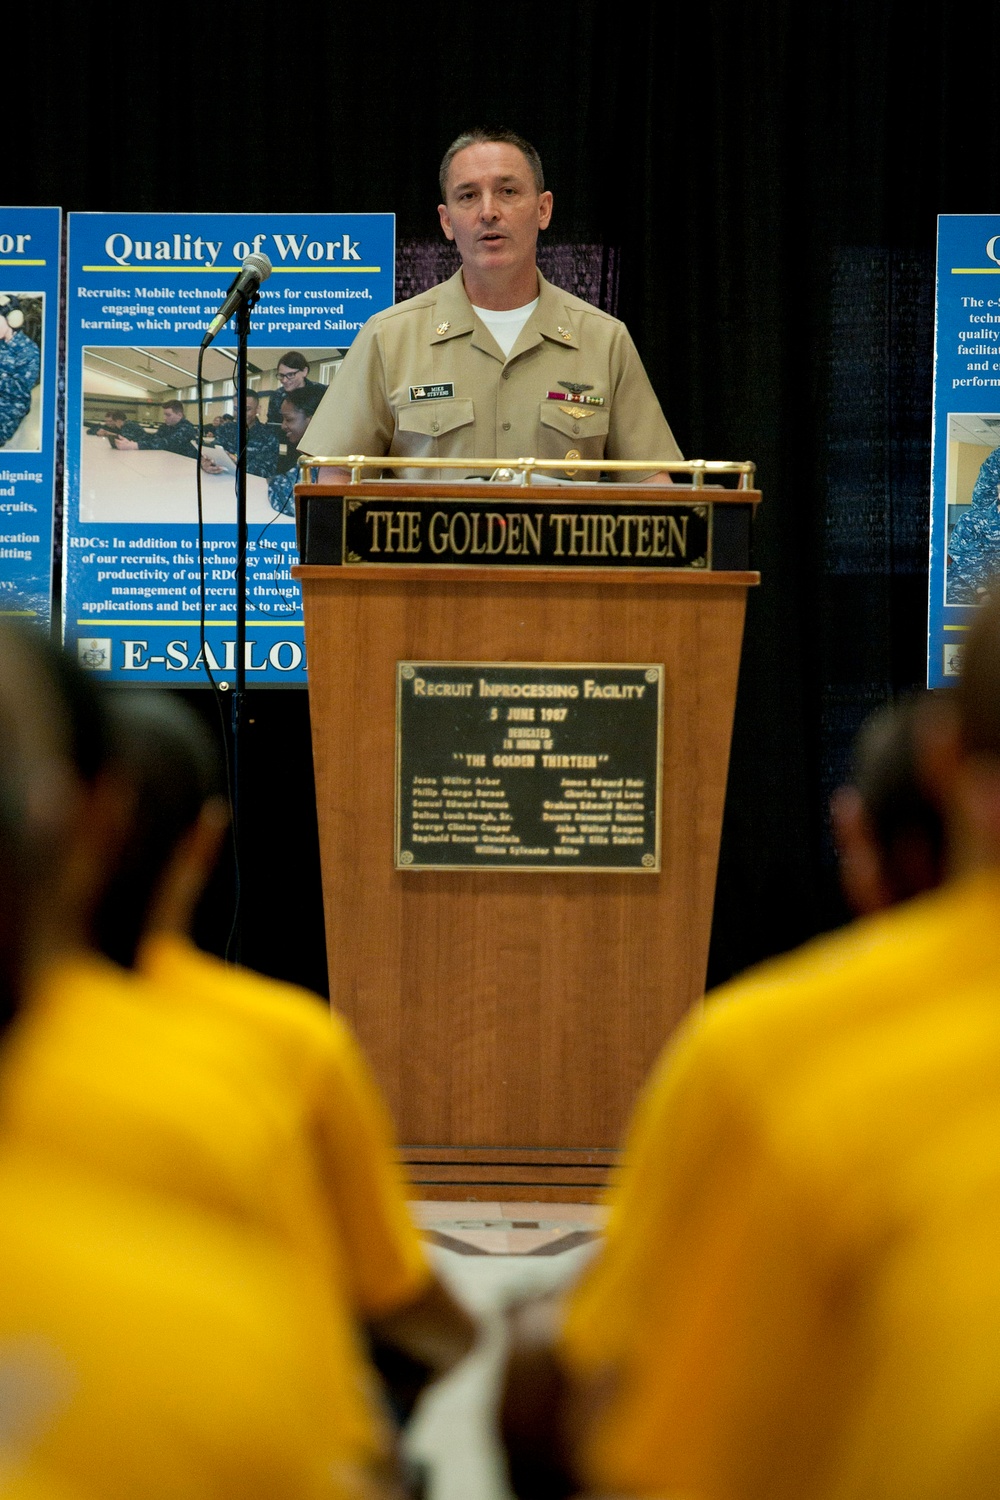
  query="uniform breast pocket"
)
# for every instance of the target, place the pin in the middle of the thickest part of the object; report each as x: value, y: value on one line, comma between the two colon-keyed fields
x: 435, y: 429
x: 568, y: 429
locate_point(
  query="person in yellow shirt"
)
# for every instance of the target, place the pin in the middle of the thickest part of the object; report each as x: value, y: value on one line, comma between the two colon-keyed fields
x: 148, y: 1346
x: 167, y: 762
x: 649, y: 1341
x: 148, y: 1351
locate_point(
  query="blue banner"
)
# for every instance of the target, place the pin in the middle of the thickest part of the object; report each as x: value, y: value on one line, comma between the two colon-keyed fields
x: 29, y: 349
x: 965, y: 480
x: 142, y: 290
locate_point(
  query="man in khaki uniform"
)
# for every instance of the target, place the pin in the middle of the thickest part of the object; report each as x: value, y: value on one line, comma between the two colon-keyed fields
x: 496, y: 362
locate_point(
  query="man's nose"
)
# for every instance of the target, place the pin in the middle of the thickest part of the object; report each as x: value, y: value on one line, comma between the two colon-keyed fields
x: 488, y: 209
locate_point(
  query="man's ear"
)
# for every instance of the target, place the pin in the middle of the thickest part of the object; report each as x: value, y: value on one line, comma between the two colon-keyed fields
x: 445, y: 218
x: 190, y: 869
x: 976, y: 800
x: 938, y: 748
x: 862, y: 877
x: 544, y: 209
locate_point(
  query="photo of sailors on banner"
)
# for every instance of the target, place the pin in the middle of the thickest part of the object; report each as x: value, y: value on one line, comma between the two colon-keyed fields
x: 140, y: 431
x: 21, y: 321
x: 972, y: 489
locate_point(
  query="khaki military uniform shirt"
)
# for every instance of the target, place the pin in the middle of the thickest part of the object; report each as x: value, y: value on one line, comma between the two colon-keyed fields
x: 427, y: 378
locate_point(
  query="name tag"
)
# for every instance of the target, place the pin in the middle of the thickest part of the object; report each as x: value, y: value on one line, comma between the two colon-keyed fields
x: 432, y: 392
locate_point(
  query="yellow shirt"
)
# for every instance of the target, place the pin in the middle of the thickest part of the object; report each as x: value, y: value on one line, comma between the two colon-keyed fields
x: 927, y: 1424
x: 340, y: 1113
x: 651, y: 1315
x: 100, y: 1074
x: 146, y: 1351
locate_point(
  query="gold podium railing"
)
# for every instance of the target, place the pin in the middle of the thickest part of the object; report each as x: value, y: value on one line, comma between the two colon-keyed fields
x: 519, y: 470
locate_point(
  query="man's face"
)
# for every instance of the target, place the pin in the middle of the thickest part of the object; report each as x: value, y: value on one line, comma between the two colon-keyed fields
x: 172, y: 416
x: 291, y: 380
x: 493, y: 210
x: 252, y: 404
x: 293, y: 422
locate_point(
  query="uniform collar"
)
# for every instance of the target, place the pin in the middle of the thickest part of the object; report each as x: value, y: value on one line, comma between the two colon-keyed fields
x: 553, y: 319
x: 452, y: 313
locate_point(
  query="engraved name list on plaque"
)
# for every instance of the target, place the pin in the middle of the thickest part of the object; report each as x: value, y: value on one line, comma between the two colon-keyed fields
x: 528, y: 766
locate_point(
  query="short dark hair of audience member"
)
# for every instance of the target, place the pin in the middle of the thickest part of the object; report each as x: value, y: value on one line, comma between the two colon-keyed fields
x: 176, y: 409
x: 168, y: 760
x: 53, y: 738
x: 887, y: 821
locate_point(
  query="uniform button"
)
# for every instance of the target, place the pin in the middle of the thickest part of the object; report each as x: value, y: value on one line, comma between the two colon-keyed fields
x: 506, y: 427
x: 504, y: 374
x: 576, y: 427
x: 435, y: 427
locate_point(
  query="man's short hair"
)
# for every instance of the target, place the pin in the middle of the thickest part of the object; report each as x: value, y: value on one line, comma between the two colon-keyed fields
x: 481, y: 137
x: 117, y: 416
x: 898, y: 804
x: 306, y: 398
x: 293, y: 360
x: 173, y: 406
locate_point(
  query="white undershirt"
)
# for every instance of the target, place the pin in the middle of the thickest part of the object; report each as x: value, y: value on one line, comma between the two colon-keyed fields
x: 505, y: 326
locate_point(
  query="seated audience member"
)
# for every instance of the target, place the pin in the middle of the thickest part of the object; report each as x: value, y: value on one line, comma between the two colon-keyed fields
x: 146, y: 1348
x: 262, y: 443
x: 722, y: 1341
x: 175, y: 434
x: 887, y: 825
x: 168, y: 765
x: 297, y: 409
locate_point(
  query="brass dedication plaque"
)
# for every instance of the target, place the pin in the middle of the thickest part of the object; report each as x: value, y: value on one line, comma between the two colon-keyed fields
x: 528, y: 766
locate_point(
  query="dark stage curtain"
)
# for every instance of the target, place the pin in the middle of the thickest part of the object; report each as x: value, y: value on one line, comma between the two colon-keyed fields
x: 760, y: 182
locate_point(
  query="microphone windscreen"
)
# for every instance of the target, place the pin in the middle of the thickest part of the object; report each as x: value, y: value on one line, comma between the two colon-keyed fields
x: 259, y: 263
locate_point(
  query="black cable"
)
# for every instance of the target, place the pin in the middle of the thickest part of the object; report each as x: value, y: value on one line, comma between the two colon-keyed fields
x: 203, y: 643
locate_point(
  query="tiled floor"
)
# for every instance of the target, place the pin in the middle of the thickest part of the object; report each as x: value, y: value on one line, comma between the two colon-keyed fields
x: 489, y: 1263
x: 509, y: 1228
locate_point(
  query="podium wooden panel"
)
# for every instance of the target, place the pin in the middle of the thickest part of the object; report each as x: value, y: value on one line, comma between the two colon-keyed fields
x: 510, y: 1016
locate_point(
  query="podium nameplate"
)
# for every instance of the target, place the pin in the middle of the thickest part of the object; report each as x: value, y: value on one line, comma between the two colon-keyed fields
x: 528, y: 766
x: 506, y: 532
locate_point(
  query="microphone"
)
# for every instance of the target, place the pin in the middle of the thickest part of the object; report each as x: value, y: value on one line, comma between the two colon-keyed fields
x: 256, y: 268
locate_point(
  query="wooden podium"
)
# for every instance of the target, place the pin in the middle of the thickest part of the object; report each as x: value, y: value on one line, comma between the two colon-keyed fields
x: 511, y: 1014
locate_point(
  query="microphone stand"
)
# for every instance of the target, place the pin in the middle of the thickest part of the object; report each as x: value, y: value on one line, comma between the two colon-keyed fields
x: 242, y: 320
